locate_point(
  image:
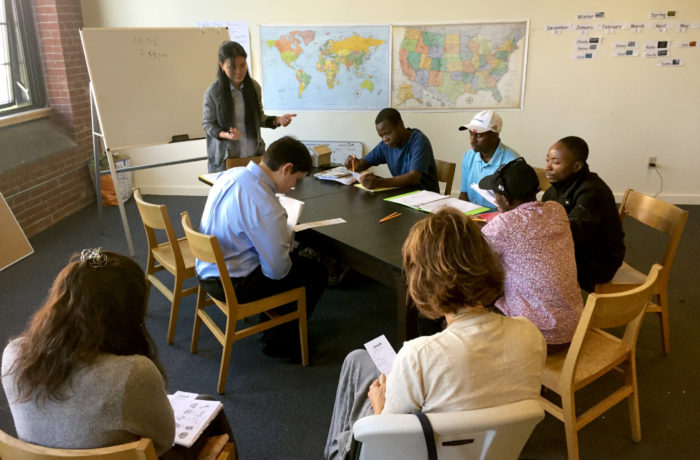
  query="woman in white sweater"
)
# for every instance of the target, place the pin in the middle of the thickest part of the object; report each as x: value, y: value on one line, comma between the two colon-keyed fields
x: 85, y: 373
x: 482, y: 359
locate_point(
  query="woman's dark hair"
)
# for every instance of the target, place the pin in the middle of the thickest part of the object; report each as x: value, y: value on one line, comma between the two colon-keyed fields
x: 91, y: 309
x: 449, y: 265
x: 232, y: 50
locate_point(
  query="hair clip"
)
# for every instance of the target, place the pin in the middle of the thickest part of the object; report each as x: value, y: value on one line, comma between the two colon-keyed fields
x: 95, y: 257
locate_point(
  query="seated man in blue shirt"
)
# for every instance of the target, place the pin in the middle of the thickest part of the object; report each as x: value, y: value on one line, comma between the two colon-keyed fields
x: 406, y: 151
x: 247, y: 218
x: 486, y: 155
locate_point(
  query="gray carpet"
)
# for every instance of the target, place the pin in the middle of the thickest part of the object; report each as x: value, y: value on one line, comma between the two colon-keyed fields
x: 281, y: 411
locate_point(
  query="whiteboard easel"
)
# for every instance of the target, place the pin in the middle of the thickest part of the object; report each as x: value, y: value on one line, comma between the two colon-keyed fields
x: 146, y: 87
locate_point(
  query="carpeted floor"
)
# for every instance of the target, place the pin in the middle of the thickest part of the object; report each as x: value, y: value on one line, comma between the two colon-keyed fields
x: 281, y: 411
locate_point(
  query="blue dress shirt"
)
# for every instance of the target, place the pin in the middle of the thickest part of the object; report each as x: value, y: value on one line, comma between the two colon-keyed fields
x: 247, y: 218
x: 474, y: 169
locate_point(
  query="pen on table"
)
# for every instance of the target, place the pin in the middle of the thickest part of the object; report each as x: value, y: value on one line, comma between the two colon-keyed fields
x: 389, y: 217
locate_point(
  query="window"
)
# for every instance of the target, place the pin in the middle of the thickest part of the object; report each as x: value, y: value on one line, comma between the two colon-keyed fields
x: 21, y: 80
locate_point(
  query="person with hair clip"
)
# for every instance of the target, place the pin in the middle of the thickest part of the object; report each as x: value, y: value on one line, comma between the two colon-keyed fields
x: 482, y: 359
x: 85, y: 373
x: 233, y: 112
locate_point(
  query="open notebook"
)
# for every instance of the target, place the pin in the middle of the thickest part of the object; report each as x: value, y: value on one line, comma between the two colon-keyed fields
x: 427, y: 201
x: 192, y: 416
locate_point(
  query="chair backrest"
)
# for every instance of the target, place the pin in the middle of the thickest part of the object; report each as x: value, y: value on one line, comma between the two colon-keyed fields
x: 446, y: 174
x: 659, y: 215
x: 493, y: 433
x: 236, y: 162
x: 542, y: 178
x: 14, y: 449
x: 206, y: 248
x: 155, y: 217
x: 605, y: 311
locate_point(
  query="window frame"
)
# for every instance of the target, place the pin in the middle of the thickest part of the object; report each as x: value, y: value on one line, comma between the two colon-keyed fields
x: 23, y: 42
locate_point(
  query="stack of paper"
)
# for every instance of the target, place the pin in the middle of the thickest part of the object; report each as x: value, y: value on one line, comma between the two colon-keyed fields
x: 192, y: 416
x: 424, y: 200
x: 339, y: 174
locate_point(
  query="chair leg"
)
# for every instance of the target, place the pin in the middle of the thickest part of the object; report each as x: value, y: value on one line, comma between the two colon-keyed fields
x: 150, y: 263
x: 665, y: 326
x: 569, y: 411
x: 303, y: 331
x: 633, y: 401
x: 174, y: 308
x: 201, y: 294
x: 226, y: 354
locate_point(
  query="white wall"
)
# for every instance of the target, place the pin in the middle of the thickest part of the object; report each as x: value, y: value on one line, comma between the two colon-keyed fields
x: 626, y: 108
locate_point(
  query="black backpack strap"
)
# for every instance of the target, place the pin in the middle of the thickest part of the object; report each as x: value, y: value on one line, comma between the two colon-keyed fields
x: 429, y: 435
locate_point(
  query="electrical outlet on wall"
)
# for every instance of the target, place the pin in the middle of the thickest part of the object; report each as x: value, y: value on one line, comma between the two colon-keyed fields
x: 652, y: 162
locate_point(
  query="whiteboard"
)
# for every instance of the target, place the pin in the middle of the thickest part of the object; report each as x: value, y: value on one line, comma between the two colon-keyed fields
x: 149, y: 84
x: 14, y: 245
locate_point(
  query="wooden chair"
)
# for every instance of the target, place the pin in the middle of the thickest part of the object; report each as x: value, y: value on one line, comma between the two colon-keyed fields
x: 236, y: 162
x: 14, y: 449
x: 542, y: 177
x: 663, y: 217
x: 593, y: 353
x: 206, y: 248
x: 492, y: 433
x: 446, y: 174
x: 174, y: 256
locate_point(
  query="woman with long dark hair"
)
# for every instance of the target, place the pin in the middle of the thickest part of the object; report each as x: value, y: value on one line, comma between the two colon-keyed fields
x: 85, y: 374
x: 233, y: 112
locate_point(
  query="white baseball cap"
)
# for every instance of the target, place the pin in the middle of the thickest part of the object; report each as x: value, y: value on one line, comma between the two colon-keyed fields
x: 487, y: 120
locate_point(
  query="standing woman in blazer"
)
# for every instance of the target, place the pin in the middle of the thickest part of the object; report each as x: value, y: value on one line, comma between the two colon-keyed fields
x: 233, y: 112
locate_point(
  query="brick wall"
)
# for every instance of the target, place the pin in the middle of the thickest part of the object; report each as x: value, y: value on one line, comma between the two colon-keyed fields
x: 65, y: 182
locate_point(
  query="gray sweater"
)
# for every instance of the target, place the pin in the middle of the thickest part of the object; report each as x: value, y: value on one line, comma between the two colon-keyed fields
x: 116, y: 400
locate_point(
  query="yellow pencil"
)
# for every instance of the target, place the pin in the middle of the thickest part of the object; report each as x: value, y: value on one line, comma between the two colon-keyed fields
x: 390, y: 216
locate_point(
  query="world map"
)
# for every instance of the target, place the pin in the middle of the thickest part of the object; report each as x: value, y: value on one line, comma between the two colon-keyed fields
x: 465, y: 66
x: 325, y: 68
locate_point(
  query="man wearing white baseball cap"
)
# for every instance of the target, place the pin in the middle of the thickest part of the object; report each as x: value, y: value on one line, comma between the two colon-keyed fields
x: 487, y: 153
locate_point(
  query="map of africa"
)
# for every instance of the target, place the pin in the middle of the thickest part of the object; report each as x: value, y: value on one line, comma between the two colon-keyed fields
x: 465, y: 66
x: 325, y: 68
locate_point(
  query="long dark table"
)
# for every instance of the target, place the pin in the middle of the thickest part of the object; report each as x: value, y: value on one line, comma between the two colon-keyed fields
x: 362, y: 243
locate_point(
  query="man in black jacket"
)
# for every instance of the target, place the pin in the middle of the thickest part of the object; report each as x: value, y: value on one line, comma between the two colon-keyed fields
x: 590, y: 204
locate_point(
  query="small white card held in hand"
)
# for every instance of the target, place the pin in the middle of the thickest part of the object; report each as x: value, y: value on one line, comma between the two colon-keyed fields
x: 382, y: 353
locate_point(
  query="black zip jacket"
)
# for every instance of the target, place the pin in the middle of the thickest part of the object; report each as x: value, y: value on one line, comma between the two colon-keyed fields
x: 595, y: 225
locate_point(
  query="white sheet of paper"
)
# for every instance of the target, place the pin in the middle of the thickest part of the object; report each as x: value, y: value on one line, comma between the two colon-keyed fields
x: 382, y: 353
x: 294, y: 209
x: 237, y: 31
x: 487, y: 194
x: 318, y: 223
x: 419, y: 199
x: 461, y: 205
